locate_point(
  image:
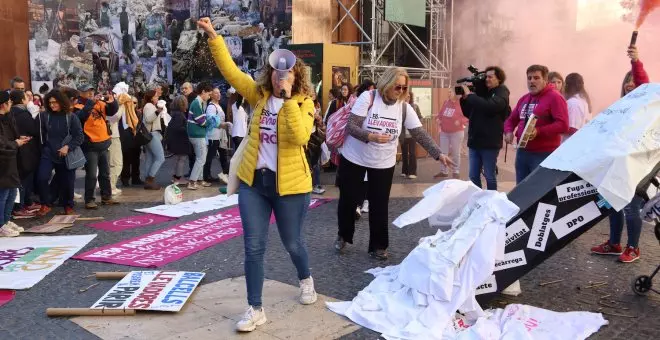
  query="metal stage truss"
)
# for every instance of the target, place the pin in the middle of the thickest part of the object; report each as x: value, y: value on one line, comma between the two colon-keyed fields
x: 379, y: 40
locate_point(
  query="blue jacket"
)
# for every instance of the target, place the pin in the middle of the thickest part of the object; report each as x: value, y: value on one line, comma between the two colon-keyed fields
x: 54, y: 130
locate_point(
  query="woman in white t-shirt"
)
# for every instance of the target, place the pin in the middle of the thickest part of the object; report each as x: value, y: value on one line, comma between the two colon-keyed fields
x: 239, y: 118
x: 579, y: 104
x: 376, y: 121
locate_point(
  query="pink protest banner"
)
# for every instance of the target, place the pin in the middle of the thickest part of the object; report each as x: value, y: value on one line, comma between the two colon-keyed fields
x: 129, y: 222
x: 6, y: 296
x: 168, y: 245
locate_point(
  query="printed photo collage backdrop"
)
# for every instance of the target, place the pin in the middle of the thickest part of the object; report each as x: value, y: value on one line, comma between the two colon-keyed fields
x: 74, y: 42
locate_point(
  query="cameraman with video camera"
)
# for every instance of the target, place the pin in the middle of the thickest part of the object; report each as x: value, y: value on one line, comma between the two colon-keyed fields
x: 487, y: 107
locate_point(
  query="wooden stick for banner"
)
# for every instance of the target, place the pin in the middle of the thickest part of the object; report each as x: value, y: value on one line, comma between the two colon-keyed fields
x: 110, y: 275
x: 100, y: 218
x: 595, y: 285
x: 550, y: 282
x: 88, y: 312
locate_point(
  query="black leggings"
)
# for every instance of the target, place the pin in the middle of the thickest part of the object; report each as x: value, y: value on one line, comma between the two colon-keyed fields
x: 351, y: 189
x: 215, y: 149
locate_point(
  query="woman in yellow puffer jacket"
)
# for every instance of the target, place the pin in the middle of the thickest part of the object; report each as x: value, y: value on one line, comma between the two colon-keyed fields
x: 275, y: 177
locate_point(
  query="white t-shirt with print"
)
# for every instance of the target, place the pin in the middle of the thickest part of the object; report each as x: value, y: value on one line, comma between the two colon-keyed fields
x: 239, y: 128
x: 382, y: 118
x: 268, y: 134
x: 215, y: 109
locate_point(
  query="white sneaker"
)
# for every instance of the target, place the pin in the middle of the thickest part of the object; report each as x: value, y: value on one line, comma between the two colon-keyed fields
x: 318, y: 190
x: 412, y: 176
x: 365, y: 206
x: 307, y: 293
x: 251, y: 319
x: 224, y: 178
x: 7, y: 231
x: 77, y: 196
x: 403, y: 175
x: 15, y: 226
x: 192, y: 185
x: 116, y: 192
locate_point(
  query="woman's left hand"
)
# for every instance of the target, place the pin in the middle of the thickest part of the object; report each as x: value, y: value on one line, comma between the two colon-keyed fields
x: 286, y: 86
x: 446, y: 161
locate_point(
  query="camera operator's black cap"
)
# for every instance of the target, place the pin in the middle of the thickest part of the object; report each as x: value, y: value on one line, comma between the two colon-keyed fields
x: 4, y: 97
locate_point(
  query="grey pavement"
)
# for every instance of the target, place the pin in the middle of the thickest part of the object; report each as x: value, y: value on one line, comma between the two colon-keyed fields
x: 341, y: 277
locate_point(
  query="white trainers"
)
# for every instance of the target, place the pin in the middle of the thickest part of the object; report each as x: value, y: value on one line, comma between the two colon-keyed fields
x: 116, y: 192
x: 77, y: 196
x: 251, y: 319
x: 15, y: 226
x: 307, y: 293
x: 224, y: 178
x: 365, y: 206
x: 412, y: 176
x: 192, y: 185
x: 7, y: 231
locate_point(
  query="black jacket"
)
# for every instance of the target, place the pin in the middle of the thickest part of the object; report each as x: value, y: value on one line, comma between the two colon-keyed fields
x: 8, y: 153
x: 30, y: 153
x: 177, y: 135
x: 487, y: 116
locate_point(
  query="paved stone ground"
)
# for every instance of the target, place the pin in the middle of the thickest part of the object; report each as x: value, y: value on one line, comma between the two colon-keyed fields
x: 343, y: 276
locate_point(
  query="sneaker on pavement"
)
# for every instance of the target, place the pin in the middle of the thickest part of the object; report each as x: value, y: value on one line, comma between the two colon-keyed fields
x: 44, y: 210
x: 77, y: 196
x: 7, y: 231
x: 456, y: 176
x: 365, y: 206
x: 631, y: 254
x: 15, y: 226
x: 34, y: 207
x: 192, y: 185
x: 23, y: 214
x: 380, y: 254
x: 69, y: 211
x: 318, y: 190
x: 403, y: 175
x: 358, y: 213
x: 116, y: 192
x: 412, y: 176
x: 340, y: 244
x: 307, y: 293
x: 91, y: 205
x: 251, y: 319
x: 224, y: 178
x: 205, y: 184
x: 109, y: 201
x: 441, y: 175
x: 607, y: 249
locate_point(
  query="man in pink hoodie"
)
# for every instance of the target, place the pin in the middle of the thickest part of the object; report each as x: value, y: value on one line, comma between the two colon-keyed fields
x: 549, y: 106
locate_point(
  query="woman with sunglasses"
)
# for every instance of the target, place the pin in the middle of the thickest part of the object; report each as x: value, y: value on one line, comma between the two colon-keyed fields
x: 376, y: 121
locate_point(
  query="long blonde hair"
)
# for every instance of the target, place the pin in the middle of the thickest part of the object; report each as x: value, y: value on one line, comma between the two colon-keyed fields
x: 301, y: 84
x: 388, y: 81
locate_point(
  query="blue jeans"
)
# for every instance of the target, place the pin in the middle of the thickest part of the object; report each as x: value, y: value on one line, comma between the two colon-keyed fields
x: 633, y: 223
x: 64, y: 178
x: 7, y: 198
x: 200, y: 148
x: 256, y: 204
x: 155, y: 154
x: 527, y: 161
x: 316, y: 174
x: 485, y: 159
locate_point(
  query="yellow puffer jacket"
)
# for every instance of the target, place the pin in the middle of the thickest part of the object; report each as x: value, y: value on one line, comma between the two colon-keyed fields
x: 294, y: 126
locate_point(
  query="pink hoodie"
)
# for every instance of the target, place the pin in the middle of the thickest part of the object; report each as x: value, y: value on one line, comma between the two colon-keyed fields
x: 549, y: 106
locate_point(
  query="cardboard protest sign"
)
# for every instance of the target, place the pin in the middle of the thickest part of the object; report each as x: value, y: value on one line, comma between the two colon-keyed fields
x: 24, y: 261
x: 47, y: 228
x: 151, y: 290
x: 63, y: 219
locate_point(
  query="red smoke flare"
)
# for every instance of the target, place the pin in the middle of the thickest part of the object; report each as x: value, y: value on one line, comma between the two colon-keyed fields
x: 645, y: 7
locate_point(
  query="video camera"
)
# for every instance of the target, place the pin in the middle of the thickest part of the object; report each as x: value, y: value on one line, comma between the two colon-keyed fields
x: 478, y: 80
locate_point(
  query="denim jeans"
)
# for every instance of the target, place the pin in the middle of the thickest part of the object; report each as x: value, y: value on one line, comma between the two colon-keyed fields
x: 316, y: 174
x: 527, y: 161
x: 629, y: 214
x: 7, y: 198
x: 256, y: 204
x: 485, y: 159
x: 200, y: 147
x: 97, y: 163
x: 155, y: 154
x: 27, y: 188
x: 65, y: 180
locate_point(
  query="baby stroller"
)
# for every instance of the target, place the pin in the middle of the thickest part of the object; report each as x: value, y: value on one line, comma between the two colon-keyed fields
x: 650, y: 213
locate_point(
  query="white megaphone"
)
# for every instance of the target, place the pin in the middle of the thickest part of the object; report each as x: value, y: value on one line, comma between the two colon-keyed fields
x: 282, y: 61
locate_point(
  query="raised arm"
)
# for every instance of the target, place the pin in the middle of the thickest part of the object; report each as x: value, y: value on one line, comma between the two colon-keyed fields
x: 242, y: 82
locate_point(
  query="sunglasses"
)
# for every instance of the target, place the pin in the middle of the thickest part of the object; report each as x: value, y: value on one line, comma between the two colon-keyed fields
x: 401, y: 88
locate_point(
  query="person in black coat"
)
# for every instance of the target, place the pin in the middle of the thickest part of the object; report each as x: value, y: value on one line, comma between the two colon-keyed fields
x: 28, y: 155
x: 10, y: 142
x: 177, y: 137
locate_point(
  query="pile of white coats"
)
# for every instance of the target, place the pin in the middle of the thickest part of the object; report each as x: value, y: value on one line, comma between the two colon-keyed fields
x: 419, y: 298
